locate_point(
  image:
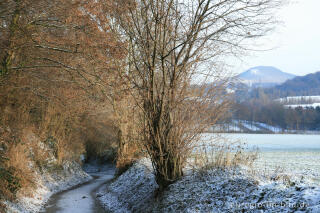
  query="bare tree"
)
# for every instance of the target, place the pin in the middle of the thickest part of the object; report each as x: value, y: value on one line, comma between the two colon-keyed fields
x: 169, y: 43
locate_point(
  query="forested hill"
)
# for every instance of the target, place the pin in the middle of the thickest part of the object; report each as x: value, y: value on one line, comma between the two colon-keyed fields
x: 308, y: 85
x: 299, y: 86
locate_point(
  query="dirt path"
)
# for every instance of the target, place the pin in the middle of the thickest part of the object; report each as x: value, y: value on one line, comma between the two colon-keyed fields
x: 81, y: 198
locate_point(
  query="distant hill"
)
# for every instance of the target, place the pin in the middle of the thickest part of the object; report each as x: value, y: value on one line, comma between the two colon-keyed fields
x: 264, y: 76
x: 307, y: 85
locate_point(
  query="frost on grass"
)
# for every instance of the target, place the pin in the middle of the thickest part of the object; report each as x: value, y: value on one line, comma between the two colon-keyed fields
x: 213, y: 190
x: 49, y: 183
x: 234, y: 190
x: 132, y: 191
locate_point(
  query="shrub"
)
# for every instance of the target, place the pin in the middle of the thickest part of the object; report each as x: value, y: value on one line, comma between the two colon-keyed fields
x: 15, y: 170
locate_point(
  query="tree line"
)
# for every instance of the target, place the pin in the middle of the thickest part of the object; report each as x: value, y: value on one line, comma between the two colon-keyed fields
x: 276, y: 114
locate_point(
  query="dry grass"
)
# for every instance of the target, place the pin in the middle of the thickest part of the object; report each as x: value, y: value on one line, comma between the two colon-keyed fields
x: 21, y: 165
x: 2, y: 208
x: 16, y: 167
x: 219, y: 152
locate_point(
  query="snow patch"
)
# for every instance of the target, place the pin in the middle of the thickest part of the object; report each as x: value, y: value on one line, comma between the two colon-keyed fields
x: 254, y: 71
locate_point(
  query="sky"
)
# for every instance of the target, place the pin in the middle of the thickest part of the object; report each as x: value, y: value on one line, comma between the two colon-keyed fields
x: 295, y: 45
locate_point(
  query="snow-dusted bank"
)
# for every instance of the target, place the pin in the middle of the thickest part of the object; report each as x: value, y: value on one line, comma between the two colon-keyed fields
x: 48, y: 184
x: 214, y: 190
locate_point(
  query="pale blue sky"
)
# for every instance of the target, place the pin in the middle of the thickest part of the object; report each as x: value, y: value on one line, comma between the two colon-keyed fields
x: 295, y: 44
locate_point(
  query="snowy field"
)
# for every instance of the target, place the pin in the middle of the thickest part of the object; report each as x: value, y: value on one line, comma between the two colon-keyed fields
x: 287, y: 153
x: 314, y: 105
x: 300, y: 101
x: 277, y: 142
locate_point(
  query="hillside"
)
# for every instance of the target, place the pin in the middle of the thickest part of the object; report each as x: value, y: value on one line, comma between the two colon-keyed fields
x: 299, y: 86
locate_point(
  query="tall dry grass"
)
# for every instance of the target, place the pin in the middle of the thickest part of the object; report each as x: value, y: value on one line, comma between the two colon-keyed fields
x: 220, y: 152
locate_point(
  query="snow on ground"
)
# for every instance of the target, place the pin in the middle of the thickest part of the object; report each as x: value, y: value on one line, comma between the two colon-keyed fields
x: 49, y: 184
x: 251, y: 126
x: 132, y: 191
x: 269, y: 127
x: 226, y: 127
x: 246, y: 126
x: 298, y: 164
x: 297, y: 155
x: 300, y: 101
x: 258, y: 126
x: 314, y: 105
x: 214, y: 190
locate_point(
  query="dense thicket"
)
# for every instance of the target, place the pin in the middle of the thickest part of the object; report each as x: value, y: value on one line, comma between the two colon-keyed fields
x: 57, y: 66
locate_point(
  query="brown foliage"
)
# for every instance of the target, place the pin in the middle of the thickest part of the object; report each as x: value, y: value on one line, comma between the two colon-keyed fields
x: 55, y: 59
